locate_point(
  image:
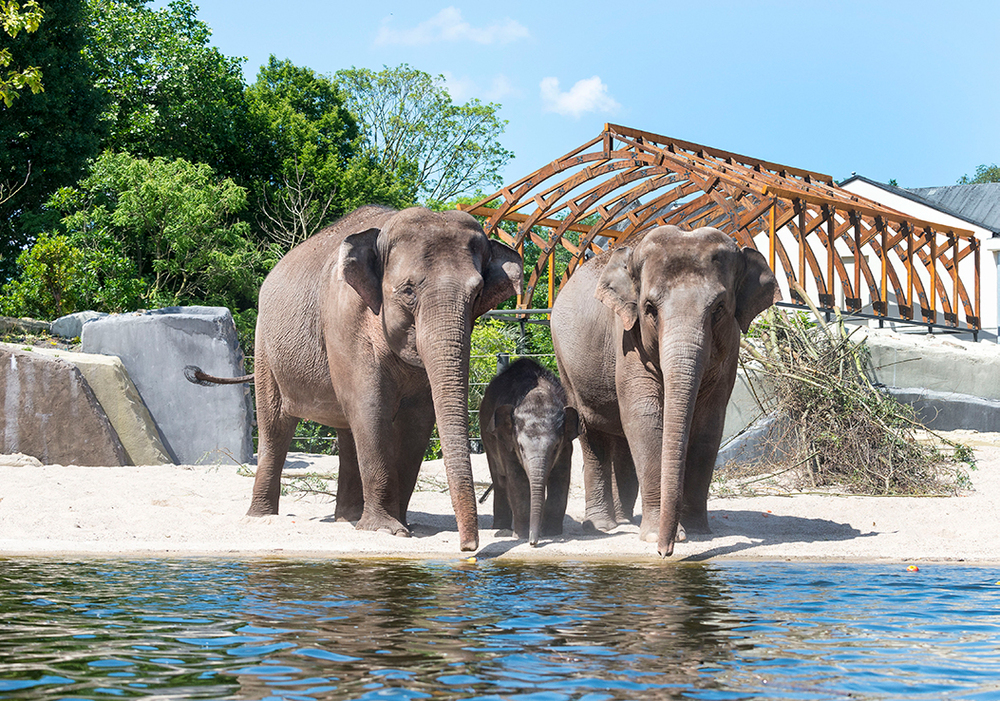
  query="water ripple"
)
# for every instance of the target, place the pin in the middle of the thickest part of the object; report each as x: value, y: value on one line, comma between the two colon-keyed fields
x: 368, y: 630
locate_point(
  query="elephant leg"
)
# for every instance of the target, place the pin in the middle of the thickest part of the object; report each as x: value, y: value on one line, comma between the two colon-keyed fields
x: 557, y: 493
x: 640, y: 397
x: 350, y: 491
x: 275, y: 432
x: 703, y: 448
x: 626, y: 484
x: 377, y: 462
x: 597, y: 476
x: 414, y: 426
x: 503, y: 517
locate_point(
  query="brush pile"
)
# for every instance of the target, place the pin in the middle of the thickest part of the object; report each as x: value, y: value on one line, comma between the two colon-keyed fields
x: 834, y: 429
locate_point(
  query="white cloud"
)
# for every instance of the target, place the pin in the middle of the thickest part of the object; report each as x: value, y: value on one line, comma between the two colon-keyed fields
x: 448, y: 25
x: 588, y: 95
x: 463, y: 89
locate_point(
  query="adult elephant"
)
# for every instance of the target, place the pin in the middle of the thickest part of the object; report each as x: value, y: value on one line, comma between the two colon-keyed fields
x: 365, y: 327
x: 647, y: 338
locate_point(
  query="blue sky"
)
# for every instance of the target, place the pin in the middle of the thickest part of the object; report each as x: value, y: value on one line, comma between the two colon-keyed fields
x: 906, y: 90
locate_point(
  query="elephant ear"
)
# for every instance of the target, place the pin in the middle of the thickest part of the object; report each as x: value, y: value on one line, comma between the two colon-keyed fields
x: 501, y: 278
x: 571, y: 424
x: 360, y: 267
x: 757, y: 290
x: 502, y: 418
x: 616, y: 288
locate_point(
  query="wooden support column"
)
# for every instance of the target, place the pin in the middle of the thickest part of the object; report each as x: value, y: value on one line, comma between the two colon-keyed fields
x: 953, y: 240
x: 801, y: 208
x: 908, y: 309
x: 858, y: 257
x: 829, y: 299
x: 883, y: 302
x: 934, y: 275
x: 552, y: 277
x: 772, y: 240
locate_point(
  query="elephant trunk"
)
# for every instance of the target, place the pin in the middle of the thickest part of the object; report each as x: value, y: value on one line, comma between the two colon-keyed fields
x: 536, y: 480
x: 683, y: 355
x: 446, y: 358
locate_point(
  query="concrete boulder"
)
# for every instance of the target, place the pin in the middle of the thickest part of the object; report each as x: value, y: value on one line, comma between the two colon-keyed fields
x: 48, y: 411
x: 120, y: 400
x: 197, y: 424
x: 71, y: 325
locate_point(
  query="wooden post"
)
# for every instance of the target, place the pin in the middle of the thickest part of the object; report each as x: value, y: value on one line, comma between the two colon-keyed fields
x: 552, y: 276
x: 934, y: 274
x: 884, y: 245
x: 979, y: 316
x: 831, y: 235
x: 857, y: 257
x: 802, y: 244
x: 909, y: 270
x: 773, y: 242
x: 954, y: 277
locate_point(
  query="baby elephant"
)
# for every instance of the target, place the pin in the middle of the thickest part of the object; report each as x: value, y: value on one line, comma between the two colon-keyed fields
x: 528, y: 434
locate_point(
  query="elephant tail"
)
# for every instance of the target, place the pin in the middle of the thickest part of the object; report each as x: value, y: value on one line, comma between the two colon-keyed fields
x: 194, y: 374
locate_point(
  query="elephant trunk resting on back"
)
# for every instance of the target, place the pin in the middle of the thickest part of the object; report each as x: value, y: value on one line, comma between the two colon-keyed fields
x: 366, y: 327
x: 647, y: 338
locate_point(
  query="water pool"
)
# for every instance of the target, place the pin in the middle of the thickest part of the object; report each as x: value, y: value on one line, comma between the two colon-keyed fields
x: 354, y: 629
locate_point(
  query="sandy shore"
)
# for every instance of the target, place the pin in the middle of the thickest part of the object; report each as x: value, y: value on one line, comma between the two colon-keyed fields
x: 199, y: 510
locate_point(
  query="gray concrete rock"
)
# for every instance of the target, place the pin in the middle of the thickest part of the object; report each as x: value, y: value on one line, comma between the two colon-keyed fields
x: 114, y: 389
x: 197, y: 424
x: 71, y: 325
x: 48, y: 411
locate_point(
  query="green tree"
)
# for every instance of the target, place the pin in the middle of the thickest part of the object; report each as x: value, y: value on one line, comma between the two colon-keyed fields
x: 169, y: 223
x: 171, y: 94
x: 316, y: 171
x: 46, y: 140
x: 413, y: 130
x: 48, y: 284
x: 13, y: 19
x: 984, y: 174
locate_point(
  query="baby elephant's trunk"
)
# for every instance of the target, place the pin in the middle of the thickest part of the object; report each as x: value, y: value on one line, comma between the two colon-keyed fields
x: 536, y: 478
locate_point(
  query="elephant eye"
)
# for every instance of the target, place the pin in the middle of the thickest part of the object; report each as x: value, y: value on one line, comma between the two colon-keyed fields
x: 406, y: 295
x: 650, y: 310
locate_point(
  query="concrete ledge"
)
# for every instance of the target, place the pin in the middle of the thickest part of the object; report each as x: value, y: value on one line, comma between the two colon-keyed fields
x: 950, y: 411
x: 120, y: 400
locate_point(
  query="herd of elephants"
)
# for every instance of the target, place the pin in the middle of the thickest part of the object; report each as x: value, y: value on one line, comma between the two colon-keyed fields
x: 366, y: 327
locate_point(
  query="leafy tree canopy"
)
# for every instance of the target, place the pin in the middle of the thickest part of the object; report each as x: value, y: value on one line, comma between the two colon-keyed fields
x: 413, y: 130
x: 168, y: 223
x: 13, y: 19
x: 316, y: 170
x: 171, y: 94
x: 984, y: 174
x: 46, y: 139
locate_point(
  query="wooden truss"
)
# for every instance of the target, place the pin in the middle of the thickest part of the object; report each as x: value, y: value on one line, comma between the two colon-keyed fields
x: 845, y: 250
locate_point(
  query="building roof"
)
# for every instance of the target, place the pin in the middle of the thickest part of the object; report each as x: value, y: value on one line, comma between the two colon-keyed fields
x: 977, y: 204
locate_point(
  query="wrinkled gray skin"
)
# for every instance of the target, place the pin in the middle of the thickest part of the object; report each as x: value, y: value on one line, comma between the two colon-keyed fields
x: 647, y: 338
x: 365, y: 327
x: 528, y: 434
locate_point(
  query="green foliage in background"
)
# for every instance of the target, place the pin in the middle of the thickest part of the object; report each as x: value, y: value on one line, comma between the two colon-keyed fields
x: 46, y: 139
x: 13, y: 19
x: 413, y: 130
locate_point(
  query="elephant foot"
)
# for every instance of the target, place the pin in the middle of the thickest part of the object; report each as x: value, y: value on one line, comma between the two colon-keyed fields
x: 382, y: 524
x: 262, y: 508
x: 596, y: 521
x: 697, y: 524
x: 602, y: 525
x: 504, y: 533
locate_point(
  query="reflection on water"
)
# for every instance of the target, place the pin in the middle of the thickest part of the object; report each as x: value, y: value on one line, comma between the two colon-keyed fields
x: 411, y: 630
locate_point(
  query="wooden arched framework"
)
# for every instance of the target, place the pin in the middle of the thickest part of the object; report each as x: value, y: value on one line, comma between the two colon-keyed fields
x: 847, y: 251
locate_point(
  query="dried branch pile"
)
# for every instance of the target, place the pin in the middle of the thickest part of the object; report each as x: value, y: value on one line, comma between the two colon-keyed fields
x: 835, y: 428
